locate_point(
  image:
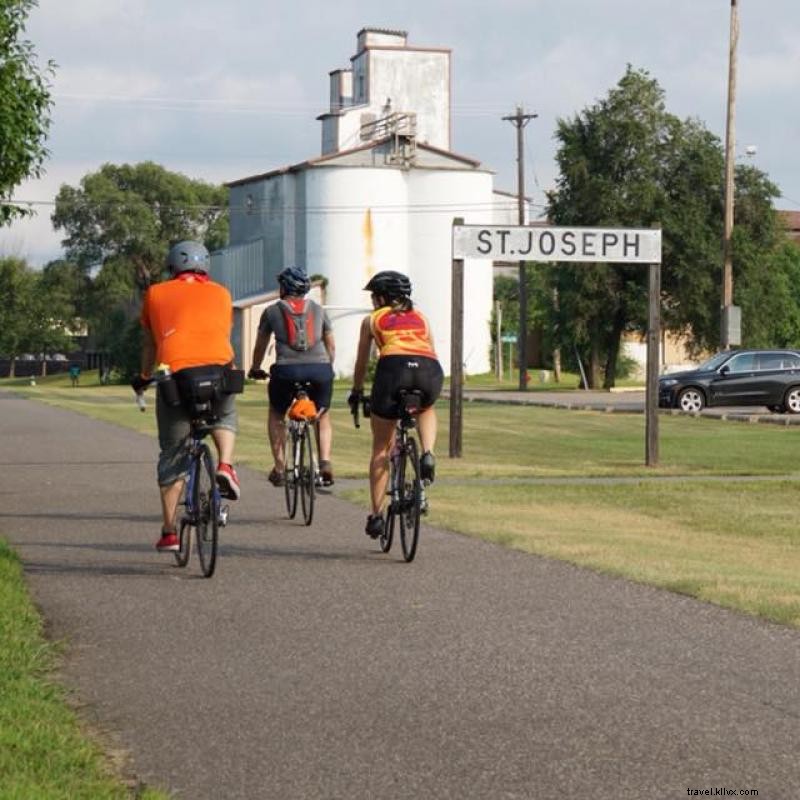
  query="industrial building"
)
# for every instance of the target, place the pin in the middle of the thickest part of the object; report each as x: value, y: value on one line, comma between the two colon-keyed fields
x: 382, y: 194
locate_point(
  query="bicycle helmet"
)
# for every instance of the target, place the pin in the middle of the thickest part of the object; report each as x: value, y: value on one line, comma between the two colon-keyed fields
x: 389, y: 284
x: 188, y: 256
x: 294, y: 280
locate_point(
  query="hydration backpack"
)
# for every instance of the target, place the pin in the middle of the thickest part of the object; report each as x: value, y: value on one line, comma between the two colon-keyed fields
x: 300, y: 323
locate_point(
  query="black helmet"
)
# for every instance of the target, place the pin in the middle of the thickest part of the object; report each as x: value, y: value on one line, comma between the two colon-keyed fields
x: 294, y: 280
x: 390, y: 284
x: 188, y: 256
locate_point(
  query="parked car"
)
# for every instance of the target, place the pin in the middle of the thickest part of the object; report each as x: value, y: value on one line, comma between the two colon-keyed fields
x: 768, y: 378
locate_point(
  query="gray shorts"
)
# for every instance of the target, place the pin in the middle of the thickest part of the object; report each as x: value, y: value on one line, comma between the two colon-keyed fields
x: 173, y: 432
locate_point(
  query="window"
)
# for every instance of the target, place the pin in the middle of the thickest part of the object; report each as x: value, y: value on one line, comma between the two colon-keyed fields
x: 742, y: 363
x: 771, y: 361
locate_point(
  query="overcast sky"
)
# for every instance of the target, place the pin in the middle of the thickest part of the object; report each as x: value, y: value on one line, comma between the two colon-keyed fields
x: 221, y: 91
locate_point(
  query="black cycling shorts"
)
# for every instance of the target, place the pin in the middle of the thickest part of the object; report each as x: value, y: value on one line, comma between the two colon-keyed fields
x: 404, y: 372
x: 282, y: 378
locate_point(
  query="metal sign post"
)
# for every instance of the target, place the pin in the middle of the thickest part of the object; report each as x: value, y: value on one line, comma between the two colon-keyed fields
x: 562, y: 244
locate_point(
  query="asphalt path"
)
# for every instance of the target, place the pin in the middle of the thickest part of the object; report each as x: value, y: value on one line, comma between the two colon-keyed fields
x: 313, y: 666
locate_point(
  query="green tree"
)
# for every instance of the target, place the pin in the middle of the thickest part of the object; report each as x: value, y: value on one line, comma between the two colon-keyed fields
x: 14, y: 284
x: 25, y: 99
x: 131, y: 214
x: 627, y: 162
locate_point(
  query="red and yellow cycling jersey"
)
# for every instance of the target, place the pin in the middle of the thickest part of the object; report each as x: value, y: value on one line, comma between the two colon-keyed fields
x: 399, y: 333
x: 190, y: 318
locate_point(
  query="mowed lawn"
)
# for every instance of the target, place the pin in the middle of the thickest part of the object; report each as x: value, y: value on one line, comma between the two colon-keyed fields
x: 717, y: 519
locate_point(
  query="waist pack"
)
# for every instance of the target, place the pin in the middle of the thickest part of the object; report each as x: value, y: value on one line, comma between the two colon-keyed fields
x: 198, y: 388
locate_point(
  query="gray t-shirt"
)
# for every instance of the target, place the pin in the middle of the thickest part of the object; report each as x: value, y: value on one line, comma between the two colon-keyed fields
x: 273, y: 321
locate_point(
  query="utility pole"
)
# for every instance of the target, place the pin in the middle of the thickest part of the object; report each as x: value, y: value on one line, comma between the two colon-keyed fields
x: 520, y: 120
x: 730, y: 322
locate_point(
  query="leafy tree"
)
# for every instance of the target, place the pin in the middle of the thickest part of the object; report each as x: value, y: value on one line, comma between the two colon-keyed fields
x: 14, y: 285
x: 131, y: 214
x: 25, y: 117
x: 627, y: 162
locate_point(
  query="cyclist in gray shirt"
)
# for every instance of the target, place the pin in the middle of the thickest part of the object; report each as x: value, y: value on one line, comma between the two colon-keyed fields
x: 304, y: 353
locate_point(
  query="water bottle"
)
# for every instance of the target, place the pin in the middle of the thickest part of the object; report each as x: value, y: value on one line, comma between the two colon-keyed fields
x: 167, y: 386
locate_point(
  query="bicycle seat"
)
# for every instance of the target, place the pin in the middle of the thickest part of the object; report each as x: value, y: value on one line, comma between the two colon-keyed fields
x: 409, y: 400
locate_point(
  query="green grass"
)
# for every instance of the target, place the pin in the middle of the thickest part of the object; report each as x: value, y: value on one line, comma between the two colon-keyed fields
x: 44, y: 753
x: 730, y: 542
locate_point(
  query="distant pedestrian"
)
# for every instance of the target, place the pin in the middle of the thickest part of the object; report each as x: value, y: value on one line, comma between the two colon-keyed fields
x: 74, y: 374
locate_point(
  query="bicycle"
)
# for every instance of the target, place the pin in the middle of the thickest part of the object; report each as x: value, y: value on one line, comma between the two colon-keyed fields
x: 202, y: 502
x: 300, y: 469
x: 406, y: 489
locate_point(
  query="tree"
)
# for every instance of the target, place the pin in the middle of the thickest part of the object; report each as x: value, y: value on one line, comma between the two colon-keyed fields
x: 25, y: 117
x: 13, y: 290
x: 627, y: 162
x: 130, y: 214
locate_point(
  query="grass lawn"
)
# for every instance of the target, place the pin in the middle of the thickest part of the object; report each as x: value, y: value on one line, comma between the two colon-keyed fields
x: 43, y: 751
x: 720, y: 524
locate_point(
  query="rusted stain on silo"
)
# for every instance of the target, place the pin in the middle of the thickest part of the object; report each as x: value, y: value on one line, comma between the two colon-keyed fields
x: 369, y: 252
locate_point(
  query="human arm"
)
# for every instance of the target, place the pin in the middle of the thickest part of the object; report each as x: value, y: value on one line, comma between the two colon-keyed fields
x: 148, y: 355
x: 362, y: 355
x: 330, y: 344
x: 259, y: 349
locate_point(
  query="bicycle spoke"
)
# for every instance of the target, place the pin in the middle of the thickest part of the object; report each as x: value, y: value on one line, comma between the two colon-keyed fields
x: 206, y: 510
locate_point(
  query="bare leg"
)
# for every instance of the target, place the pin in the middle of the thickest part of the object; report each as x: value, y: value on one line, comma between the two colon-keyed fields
x: 170, y: 497
x: 325, y: 436
x: 277, y: 437
x: 225, y: 440
x: 427, y: 425
x: 382, y: 439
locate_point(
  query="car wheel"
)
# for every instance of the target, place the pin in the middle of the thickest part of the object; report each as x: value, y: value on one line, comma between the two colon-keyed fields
x: 792, y: 400
x: 693, y: 400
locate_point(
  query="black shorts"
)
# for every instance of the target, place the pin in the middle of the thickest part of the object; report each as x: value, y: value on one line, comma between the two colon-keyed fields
x: 282, y: 378
x: 404, y: 372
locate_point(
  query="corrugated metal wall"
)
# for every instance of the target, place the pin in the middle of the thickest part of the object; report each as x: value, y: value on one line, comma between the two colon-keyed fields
x: 241, y: 268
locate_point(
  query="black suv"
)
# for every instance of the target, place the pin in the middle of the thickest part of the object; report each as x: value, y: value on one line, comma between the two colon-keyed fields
x: 768, y: 378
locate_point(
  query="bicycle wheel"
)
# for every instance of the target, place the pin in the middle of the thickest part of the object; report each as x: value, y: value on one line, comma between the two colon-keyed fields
x: 305, y: 473
x: 290, y: 470
x: 206, y: 508
x: 410, y: 499
x: 385, y: 539
x: 185, y: 536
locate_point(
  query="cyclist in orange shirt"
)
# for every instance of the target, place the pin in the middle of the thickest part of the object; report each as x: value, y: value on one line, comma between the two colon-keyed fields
x: 187, y: 325
x: 406, y: 360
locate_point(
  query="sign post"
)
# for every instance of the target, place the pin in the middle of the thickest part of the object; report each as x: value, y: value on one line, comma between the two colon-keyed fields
x: 457, y: 354
x: 571, y: 245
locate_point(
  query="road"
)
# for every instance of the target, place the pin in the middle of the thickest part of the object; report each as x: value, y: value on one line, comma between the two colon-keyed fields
x: 312, y: 666
x: 621, y: 401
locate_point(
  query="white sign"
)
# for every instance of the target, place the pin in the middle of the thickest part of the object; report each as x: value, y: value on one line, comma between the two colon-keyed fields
x: 527, y: 243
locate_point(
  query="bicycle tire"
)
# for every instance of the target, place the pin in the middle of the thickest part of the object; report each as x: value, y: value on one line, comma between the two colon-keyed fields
x: 185, y: 547
x: 290, y: 472
x: 410, y: 505
x: 206, y: 508
x: 385, y: 539
x: 306, y: 475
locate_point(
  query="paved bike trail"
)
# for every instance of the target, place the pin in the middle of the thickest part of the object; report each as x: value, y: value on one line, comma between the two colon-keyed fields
x: 312, y: 666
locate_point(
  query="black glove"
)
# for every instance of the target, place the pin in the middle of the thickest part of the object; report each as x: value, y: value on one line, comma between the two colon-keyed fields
x: 257, y: 374
x: 354, y: 398
x: 139, y: 383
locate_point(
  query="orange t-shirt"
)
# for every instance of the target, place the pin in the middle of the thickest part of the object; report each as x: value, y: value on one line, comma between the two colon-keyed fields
x: 400, y: 333
x: 190, y: 318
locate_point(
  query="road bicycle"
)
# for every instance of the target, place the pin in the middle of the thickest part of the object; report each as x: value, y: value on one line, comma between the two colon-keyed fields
x: 406, y: 489
x: 300, y: 476
x: 203, y: 511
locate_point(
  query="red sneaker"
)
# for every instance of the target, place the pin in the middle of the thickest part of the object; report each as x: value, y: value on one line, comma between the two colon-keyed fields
x: 168, y: 543
x: 228, y: 482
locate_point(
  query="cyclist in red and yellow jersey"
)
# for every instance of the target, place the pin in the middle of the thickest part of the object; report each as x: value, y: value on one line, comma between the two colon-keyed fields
x: 186, y: 325
x: 406, y: 360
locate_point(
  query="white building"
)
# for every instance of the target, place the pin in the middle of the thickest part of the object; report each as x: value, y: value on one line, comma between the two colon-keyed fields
x: 383, y: 195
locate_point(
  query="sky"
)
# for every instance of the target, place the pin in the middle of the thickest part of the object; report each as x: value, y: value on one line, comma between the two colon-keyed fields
x: 220, y: 91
